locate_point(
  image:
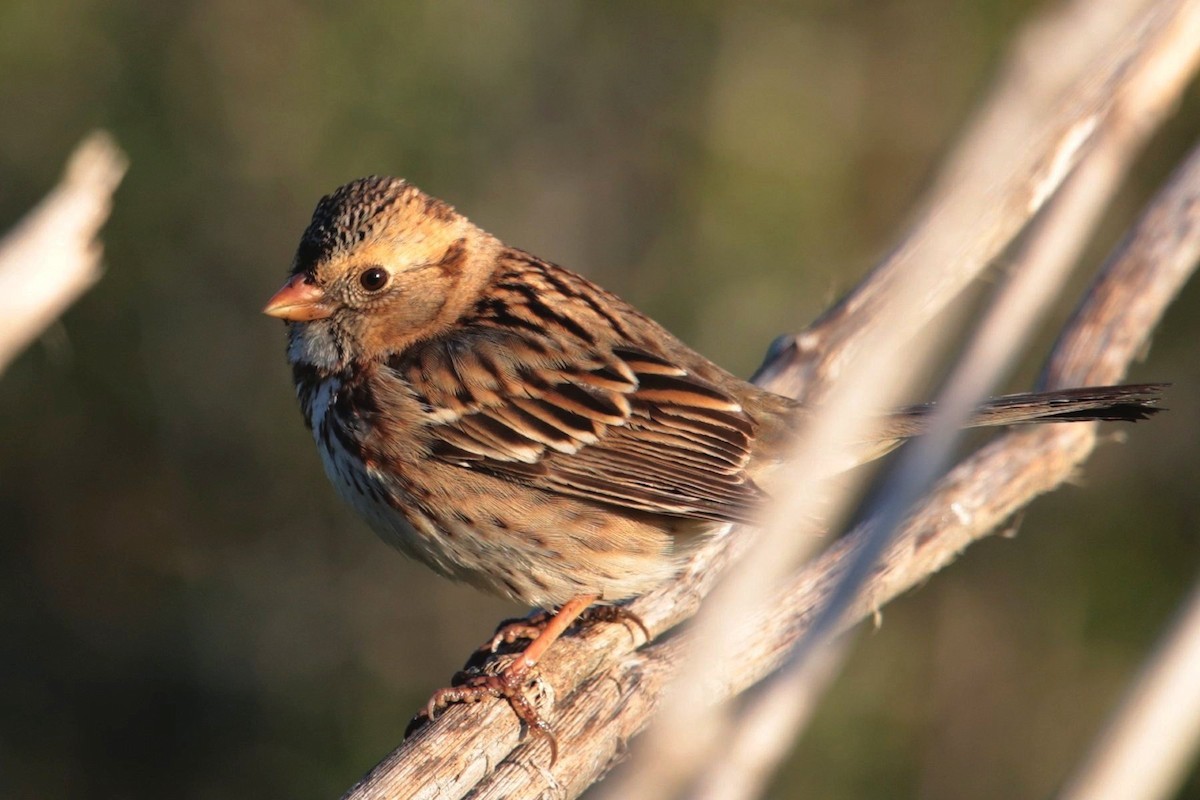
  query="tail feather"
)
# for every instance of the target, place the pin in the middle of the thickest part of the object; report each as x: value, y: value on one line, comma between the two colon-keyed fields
x: 1128, y: 403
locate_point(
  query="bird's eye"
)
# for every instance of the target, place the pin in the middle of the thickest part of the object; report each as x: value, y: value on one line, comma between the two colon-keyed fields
x: 373, y: 279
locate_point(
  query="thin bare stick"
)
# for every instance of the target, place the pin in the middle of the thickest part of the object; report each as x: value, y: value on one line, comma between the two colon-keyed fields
x: 1147, y: 746
x: 690, y: 732
x: 52, y: 256
x: 782, y: 705
x: 974, y: 499
x: 1058, y: 90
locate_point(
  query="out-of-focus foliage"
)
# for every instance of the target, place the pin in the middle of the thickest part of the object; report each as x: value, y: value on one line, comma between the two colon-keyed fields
x: 186, y: 610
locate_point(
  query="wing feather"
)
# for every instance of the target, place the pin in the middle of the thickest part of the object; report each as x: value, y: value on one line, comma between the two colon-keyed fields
x: 621, y: 426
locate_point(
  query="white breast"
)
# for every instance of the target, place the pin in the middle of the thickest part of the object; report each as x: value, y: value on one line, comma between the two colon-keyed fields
x: 363, y: 488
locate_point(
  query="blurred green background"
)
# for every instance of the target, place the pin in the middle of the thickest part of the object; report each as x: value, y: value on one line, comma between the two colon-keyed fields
x: 186, y: 609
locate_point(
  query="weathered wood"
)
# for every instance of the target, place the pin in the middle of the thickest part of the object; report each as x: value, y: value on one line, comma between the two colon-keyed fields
x: 52, y: 256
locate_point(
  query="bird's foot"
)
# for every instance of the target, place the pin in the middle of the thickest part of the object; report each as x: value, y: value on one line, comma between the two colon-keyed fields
x: 509, y: 685
x: 529, y: 628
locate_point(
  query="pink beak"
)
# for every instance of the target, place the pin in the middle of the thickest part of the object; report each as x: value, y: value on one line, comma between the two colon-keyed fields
x: 298, y: 301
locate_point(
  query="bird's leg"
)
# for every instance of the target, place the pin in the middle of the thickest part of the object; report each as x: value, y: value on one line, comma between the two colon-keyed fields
x: 510, y: 683
x: 512, y: 630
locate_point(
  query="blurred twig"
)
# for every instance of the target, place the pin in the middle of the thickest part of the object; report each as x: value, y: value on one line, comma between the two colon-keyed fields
x: 760, y: 734
x: 1144, y: 753
x: 1072, y: 75
x: 605, y: 691
x: 52, y: 255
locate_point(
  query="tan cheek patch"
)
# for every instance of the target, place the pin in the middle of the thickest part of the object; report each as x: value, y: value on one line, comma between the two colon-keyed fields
x: 407, y: 314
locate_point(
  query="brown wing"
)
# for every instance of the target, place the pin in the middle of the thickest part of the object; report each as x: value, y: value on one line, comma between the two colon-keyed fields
x: 620, y: 426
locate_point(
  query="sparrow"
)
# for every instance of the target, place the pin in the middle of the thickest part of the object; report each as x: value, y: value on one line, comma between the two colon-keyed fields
x: 515, y: 426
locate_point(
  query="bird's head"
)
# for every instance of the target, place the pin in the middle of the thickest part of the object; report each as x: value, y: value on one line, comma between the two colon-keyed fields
x: 381, y: 266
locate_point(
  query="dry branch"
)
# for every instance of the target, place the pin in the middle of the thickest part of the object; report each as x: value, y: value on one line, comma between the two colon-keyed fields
x: 605, y: 690
x: 52, y: 256
x: 758, y: 735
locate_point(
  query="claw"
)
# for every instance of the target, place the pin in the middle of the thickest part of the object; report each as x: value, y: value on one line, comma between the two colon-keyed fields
x: 508, y: 685
x: 613, y: 614
x: 513, y: 630
x: 543, y: 628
